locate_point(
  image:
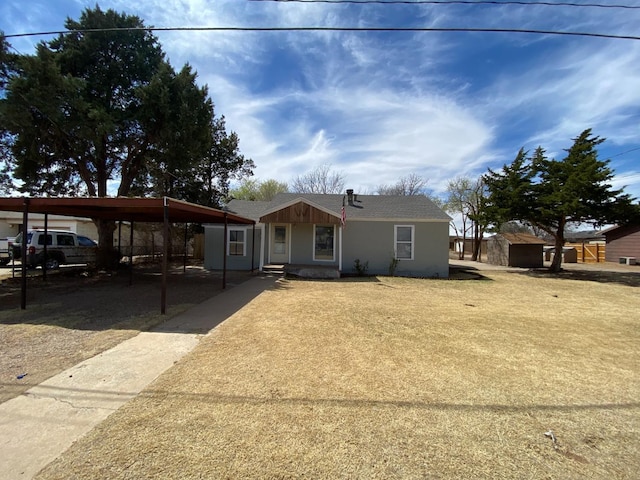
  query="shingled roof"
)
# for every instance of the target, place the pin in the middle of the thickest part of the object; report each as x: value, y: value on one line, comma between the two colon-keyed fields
x: 364, y: 207
x: 521, y: 239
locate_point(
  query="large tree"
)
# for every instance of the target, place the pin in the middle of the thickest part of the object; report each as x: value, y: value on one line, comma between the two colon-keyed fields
x: 412, y: 184
x: 7, y: 61
x: 100, y: 112
x: 551, y: 194
x: 321, y: 179
x: 254, y: 189
x: 467, y: 197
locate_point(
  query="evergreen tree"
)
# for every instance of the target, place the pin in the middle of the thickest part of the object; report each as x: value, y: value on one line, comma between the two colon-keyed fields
x: 551, y: 194
x: 102, y: 112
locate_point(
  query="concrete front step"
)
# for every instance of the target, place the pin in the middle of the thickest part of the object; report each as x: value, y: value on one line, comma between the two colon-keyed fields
x: 303, y: 271
x: 312, y: 271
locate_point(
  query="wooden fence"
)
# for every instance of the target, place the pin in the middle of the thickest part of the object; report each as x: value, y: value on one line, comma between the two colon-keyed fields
x: 589, y: 252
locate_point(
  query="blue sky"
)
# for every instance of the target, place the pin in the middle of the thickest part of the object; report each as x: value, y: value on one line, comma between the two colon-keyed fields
x: 379, y: 106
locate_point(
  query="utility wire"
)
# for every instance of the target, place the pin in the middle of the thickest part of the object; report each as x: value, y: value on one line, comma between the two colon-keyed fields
x: 624, y: 153
x: 328, y: 29
x: 458, y: 2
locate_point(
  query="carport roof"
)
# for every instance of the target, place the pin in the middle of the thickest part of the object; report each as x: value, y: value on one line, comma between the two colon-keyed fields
x: 123, y: 208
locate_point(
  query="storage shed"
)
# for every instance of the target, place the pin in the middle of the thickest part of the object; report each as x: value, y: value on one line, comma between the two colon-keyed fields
x: 623, y: 243
x: 515, y: 250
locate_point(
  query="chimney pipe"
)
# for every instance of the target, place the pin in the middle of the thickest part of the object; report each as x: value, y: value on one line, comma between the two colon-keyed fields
x: 350, y: 196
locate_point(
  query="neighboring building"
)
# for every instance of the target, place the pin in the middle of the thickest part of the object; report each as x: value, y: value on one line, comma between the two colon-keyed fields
x: 410, y: 234
x: 516, y: 250
x: 582, y: 236
x: 11, y: 224
x: 147, y: 238
x: 455, y: 245
x: 622, y: 242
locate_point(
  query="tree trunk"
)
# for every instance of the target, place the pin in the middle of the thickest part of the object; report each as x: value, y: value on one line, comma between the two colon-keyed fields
x: 107, y: 257
x: 556, y: 264
x: 476, y: 242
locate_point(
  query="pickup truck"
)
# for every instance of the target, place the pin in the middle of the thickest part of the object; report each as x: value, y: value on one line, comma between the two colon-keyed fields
x: 63, y: 247
x: 5, y: 249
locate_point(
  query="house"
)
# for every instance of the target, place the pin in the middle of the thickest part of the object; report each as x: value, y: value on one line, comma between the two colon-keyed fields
x: 11, y: 224
x: 147, y: 239
x: 405, y: 235
x: 623, y: 242
x: 515, y: 250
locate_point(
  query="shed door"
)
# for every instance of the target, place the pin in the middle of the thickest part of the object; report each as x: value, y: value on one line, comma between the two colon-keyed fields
x: 279, y: 244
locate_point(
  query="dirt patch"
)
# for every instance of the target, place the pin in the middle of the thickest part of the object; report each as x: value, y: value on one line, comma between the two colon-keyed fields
x: 517, y: 377
x: 77, y: 314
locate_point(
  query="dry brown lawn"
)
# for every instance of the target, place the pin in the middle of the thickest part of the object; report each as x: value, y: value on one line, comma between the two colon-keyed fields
x: 511, y: 376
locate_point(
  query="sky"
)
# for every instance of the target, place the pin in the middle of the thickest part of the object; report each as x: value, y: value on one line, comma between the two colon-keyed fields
x: 379, y: 106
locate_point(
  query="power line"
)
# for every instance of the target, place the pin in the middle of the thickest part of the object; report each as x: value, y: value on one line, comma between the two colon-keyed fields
x: 624, y: 153
x: 457, y: 2
x: 329, y: 29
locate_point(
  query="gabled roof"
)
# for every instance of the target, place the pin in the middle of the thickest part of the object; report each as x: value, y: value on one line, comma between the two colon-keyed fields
x: 364, y: 207
x: 247, y: 208
x: 620, y: 230
x: 297, y: 199
x: 520, y: 239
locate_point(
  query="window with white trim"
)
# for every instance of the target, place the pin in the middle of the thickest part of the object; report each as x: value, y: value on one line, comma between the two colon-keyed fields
x: 236, y: 242
x: 323, y: 240
x: 404, y: 242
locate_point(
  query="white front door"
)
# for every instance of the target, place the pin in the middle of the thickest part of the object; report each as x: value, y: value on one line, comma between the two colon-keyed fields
x: 279, y: 244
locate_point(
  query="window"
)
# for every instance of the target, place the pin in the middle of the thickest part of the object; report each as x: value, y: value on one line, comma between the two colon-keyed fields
x: 236, y: 244
x: 404, y: 242
x: 65, y: 240
x: 323, y: 243
x: 41, y: 238
x: 280, y: 240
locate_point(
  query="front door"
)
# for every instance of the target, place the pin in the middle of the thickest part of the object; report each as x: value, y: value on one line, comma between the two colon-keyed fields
x: 279, y: 244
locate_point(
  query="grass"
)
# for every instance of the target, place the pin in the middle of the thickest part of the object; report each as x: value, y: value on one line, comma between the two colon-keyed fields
x: 393, y: 378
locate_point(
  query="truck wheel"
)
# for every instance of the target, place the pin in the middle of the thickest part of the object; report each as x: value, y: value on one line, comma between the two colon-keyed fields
x: 53, y: 264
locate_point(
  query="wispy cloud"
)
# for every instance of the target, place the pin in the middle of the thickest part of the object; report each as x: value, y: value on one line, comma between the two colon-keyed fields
x: 378, y: 106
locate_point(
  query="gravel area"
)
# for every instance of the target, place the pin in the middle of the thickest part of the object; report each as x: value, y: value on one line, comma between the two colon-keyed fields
x: 77, y: 314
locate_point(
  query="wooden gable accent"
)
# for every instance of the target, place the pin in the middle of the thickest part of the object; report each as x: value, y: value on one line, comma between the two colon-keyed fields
x: 301, y: 212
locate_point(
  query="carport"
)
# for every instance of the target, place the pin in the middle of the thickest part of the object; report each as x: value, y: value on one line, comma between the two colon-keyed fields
x: 163, y: 210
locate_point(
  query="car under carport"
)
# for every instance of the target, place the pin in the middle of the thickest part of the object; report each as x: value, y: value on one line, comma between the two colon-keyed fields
x: 163, y: 210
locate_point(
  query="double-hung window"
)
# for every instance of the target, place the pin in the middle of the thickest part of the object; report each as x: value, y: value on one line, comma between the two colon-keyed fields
x: 323, y: 243
x: 236, y: 245
x: 404, y: 241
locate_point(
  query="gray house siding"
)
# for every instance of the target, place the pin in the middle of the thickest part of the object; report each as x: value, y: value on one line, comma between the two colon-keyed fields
x: 215, y: 245
x: 372, y: 224
x: 373, y: 242
x: 302, y: 244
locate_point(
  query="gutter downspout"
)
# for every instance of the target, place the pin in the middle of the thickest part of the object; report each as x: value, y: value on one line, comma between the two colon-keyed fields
x: 340, y: 247
x: 224, y: 249
x: 262, y: 240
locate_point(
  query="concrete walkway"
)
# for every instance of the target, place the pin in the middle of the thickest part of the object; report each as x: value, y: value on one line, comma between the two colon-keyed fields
x: 36, y: 427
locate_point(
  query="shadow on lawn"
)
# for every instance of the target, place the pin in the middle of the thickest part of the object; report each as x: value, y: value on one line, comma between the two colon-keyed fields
x: 57, y: 392
x: 629, y: 279
x: 466, y: 273
x: 101, y: 301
